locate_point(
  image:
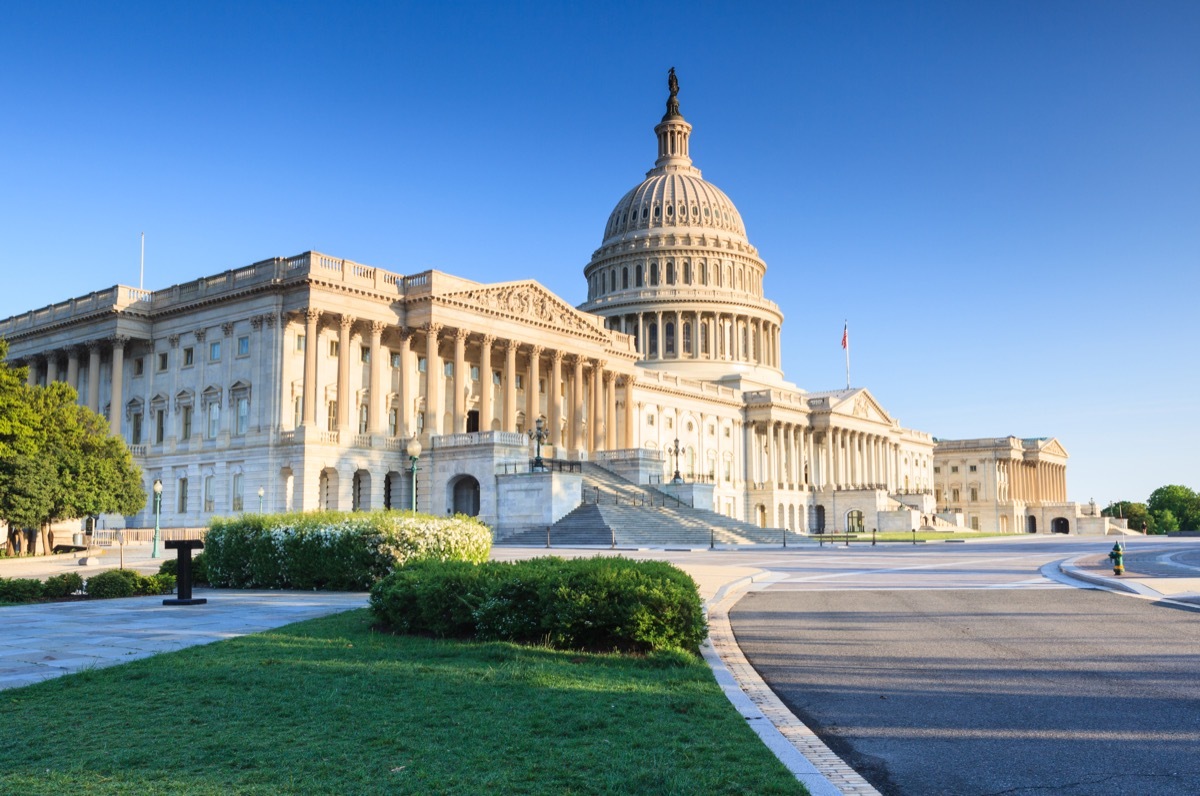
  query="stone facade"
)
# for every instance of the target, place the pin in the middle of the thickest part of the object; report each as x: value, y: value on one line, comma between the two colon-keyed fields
x: 303, y: 379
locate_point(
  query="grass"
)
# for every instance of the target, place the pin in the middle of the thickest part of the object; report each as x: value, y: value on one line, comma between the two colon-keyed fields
x: 329, y: 706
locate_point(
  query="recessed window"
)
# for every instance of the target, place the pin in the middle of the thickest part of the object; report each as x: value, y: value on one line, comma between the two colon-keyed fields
x: 214, y: 351
x: 183, y: 496
x: 163, y: 358
x: 301, y: 341
x: 395, y: 360
x: 334, y: 348
x: 243, y: 346
x: 189, y: 357
x: 238, y: 481
x: 496, y: 377
x: 448, y: 369
x: 422, y: 365
x: 185, y: 422
x: 520, y: 382
x: 974, y: 494
x: 139, y: 366
x: 364, y: 354
x: 937, y: 470
x: 649, y: 420
x: 474, y: 373
x: 243, y: 415
x: 954, y: 468
x: 971, y: 468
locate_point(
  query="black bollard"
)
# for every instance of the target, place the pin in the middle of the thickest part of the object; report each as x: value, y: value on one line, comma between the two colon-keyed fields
x: 183, y: 578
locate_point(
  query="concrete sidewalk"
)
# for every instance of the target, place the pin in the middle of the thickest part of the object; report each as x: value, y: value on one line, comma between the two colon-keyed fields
x: 1157, y: 575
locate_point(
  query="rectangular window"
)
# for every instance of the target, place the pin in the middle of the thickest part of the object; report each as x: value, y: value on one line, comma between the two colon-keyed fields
x: 395, y: 360
x: 974, y: 522
x: 334, y: 348
x: 243, y: 346
x: 956, y: 496
x: 298, y: 411
x: 214, y: 351
x: 496, y: 377
x: 362, y: 419
x: 422, y: 365
x: 160, y: 425
x: 139, y: 366
x: 135, y: 433
x: 237, y: 491
x: 474, y: 373
x: 520, y: 382
x: 189, y: 357
x: 243, y: 415
x: 185, y: 422
x: 364, y: 354
x: 214, y: 419
x: 331, y: 420
x: 300, y: 342
x: 448, y: 369
x: 210, y: 492
x: 937, y: 470
x: 183, y: 496
x: 954, y: 468
x: 728, y: 471
x: 392, y: 422
x: 162, y: 361
x: 971, y: 468
x: 974, y: 495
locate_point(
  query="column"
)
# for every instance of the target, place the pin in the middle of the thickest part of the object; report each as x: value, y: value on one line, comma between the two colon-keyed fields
x: 486, y: 388
x: 510, y: 385
x: 433, y: 380
x: 311, y: 317
x: 461, y: 380
x: 630, y: 440
x: 554, y: 399
x: 410, y: 387
x: 610, y: 413
x: 375, y: 423
x: 658, y: 336
x: 678, y: 334
x: 116, y: 409
x: 577, y: 405
x: 73, y: 368
x: 533, y: 396
x: 345, y: 324
x: 595, y: 409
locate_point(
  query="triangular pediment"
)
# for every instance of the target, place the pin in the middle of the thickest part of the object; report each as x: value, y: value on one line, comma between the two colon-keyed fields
x: 528, y: 302
x: 860, y: 403
x: 1054, y: 448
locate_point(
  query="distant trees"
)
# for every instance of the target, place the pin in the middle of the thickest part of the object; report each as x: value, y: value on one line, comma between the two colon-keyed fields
x: 58, y: 460
x: 1169, y: 508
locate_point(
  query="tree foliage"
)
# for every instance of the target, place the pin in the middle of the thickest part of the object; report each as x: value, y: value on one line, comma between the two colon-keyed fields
x: 1179, y: 502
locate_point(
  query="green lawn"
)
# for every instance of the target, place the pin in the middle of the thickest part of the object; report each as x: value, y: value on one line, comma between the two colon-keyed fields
x: 329, y: 706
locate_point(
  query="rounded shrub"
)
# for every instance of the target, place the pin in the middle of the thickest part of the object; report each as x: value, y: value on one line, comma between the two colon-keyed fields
x: 599, y: 603
x: 20, y: 590
x: 64, y: 585
x: 199, y: 568
x: 127, y: 583
x: 334, y: 550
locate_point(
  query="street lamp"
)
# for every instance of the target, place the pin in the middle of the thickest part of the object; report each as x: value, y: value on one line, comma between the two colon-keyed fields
x: 261, y: 493
x: 538, y: 435
x: 157, y: 512
x: 677, y: 478
x: 414, y: 453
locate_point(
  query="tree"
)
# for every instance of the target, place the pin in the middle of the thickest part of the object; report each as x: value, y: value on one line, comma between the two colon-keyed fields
x: 1134, y: 513
x: 1165, y: 521
x: 1182, y: 502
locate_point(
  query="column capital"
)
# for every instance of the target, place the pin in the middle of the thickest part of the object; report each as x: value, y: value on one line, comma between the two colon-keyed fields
x: 346, y: 321
x: 227, y: 329
x: 510, y: 345
x: 271, y: 320
x: 535, y: 351
x: 488, y: 339
x: 610, y: 377
x: 119, y: 341
x: 461, y: 334
x: 94, y: 345
x: 256, y: 321
x: 556, y: 355
x: 431, y: 328
x: 377, y: 328
x: 200, y: 334
x: 312, y: 314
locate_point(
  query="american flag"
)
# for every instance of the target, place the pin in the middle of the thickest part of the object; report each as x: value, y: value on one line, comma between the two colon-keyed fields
x: 846, y: 336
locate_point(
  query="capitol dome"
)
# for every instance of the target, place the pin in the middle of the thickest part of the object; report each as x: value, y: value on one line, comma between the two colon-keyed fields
x: 676, y: 271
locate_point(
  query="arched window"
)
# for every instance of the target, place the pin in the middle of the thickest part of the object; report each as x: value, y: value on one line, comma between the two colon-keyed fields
x: 704, y: 338
x: 638, y: 276
x: 612, y: 278
x: 625, y: 278
x: 687, y: 338
x: 670, y: 273
x: 652, y: 339
x: 687, y: 273
x: 669, y: 327
x: 653, y: 274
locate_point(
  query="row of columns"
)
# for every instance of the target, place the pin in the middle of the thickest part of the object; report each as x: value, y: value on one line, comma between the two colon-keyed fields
x: 712, y: 335
x: 1038, y: 482
x: 90, y: 397
x: 841, y: 458
x: 589, y: 411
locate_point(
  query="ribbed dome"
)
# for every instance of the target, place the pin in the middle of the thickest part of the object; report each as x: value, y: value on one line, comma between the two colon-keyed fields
x: 675, y: 199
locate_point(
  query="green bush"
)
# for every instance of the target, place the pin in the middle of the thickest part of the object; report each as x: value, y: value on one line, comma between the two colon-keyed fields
x: 332, y: 550
x: 127, y: 583
x: 199, y: 568
x: 599, y: 603
x: 20, y: 590
x: 63, y: 585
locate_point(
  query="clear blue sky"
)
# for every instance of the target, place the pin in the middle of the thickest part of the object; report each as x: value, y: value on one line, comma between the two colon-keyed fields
x: 1003, y: 198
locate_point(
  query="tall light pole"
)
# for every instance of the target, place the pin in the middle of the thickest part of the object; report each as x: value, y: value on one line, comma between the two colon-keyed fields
x: 414, y: 453
x: 261, y: 493
x: 538, y: 435
x: 157, y: 512
x: 677, y: 478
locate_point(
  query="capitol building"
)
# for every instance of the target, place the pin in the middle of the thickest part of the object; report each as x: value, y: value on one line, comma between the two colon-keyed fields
x: 306, y: 382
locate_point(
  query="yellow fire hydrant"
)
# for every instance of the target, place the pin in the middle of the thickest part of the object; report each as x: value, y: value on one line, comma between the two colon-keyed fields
x: 1117, y: 554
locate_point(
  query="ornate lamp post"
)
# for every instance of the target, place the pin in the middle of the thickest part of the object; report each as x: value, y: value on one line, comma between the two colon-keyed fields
x: 261, y: 493
x: 414, y: 453
x: 157, y: 513
x: 677, y: 478
x: 538, y: 435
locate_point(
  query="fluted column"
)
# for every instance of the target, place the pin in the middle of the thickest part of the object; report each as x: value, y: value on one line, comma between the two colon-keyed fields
x: 345, y: 324
x: 409, y: 386
x: 510, y: 385
x: 116, y: 408
x: 658, y: 335
x: 533, y: 398
x: 485, y: 382
x: 73, y: 368
x: 610, y: 413
x: 596, y: 409
x: 577, y: 405
x: 433, y: 380
x: 630, y: 440
x: 462, y: 378
x: 378, y: 391
x: 311, y: 317
x: 554, y: 399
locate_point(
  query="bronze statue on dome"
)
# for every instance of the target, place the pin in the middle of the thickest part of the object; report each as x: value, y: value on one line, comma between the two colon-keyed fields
x: 672, y: 82
x: 673, y: 100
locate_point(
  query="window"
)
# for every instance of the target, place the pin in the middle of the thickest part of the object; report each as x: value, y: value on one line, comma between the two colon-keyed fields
x: 956, y: 495
x: 728, y: 470
x: 649, y: 420
x: 214, y: 351
x: 214, y: 419
x: 393, y: 422
x: 210, y: 492
x: 183, y: 496
x: 301, y: 341
x: 297, y: 411
x: 937, y: 470
x: 160, y: 425
x: 496, y: 377
x: 189, y: 357
x: 625, y: 278
x: 474, y: 373
x: 670, y: 422
x: 728, y: 432
x: 185, y: 422
x: 243, y: 343
x: 971, y: 468
x: 334, y: 348
x: 974, y: 522
x: 162, y: 361
x: 331, y: 419
x: 139, y: 366
x: 638, y: 276
x: 364, y: 354
x: 974, y: 495
x: 238, y: 480
x: 395, y: 360
x: 243, y: 414
x: 448, y: 369
x: 362, y: 419
x: 422, y: 365
x: 954, y: 468
x: 135, y: 433
x: 520, y: 382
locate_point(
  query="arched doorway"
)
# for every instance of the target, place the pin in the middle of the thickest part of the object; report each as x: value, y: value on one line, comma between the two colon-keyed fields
x: 1031, y: 524
x: 762, y: 516
x: 1060, y: 525
x: 854, y: 521
x: 466, y: 496
x: 820, y: 523
x: 327, y: 489
x: 360, y: 500
x: 392, y: 496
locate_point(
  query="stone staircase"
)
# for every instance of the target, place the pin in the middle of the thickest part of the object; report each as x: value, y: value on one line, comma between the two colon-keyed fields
x: 618, y: 512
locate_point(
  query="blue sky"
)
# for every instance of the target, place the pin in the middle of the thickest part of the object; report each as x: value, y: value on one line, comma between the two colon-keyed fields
x: 1003, y: 198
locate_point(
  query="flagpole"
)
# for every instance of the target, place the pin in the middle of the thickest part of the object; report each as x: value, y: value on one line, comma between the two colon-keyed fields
x: 846, y: 345
x: 142, y: 265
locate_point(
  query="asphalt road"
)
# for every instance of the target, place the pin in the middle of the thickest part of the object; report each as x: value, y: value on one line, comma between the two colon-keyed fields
x: 973, y: 691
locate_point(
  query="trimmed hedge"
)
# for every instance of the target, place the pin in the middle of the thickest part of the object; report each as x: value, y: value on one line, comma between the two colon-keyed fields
x: 127, y: 583
x: 20, y: 590
x: 64, y: 585
x: 601, y: 603
x: 332, y: 550
x: 199, y: 568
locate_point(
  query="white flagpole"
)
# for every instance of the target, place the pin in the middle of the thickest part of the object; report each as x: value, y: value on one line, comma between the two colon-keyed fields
x: 846, y: 345
x: 142, y: 265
